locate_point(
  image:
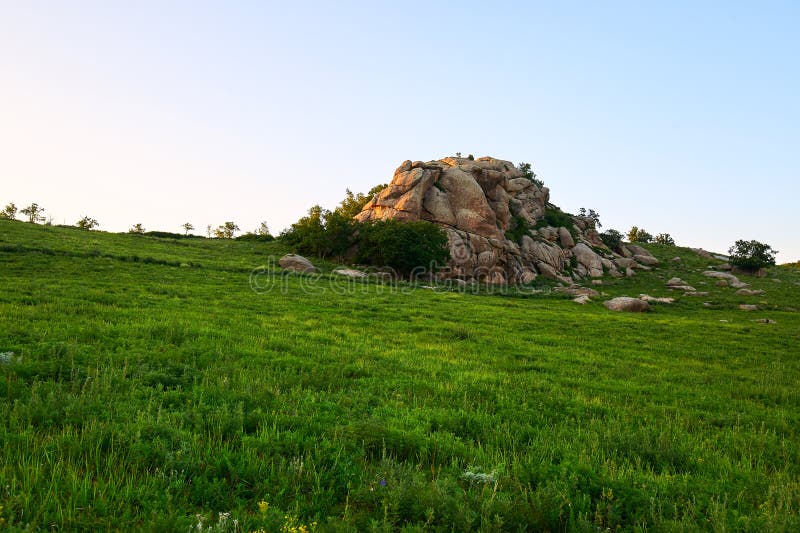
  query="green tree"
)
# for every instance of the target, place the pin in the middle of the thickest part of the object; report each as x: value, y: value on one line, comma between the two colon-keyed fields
x: 137, y: 229
x: 9, y: 212
x: 263, y: 230
x: 87, y: 223
x: 639, y: 235
x: 354, y: 203
x: 751, y: 255
x: 664, y: 238
x: 591, y: 216
x: 613, y: 239
x: 34, y: 213
x: 187, y: 227
x: 226, y: 231
x: 527, y: 172
x: 404, y: 246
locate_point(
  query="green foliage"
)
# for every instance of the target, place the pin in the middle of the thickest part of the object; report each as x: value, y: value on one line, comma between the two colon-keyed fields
x: 555, y: 217
x: 139, y: 392
x: 612, y: 238
x: 518, y: 228
x: 591, y: 216
x: 639, y: 235
x: 751, y: 255
x: 527, y: 172
x: 9, y: 212
x: 187, y: 227
x: 137, y: 229
x: 354, y: 203
x: 166, y: 235
x: 405, y: 247
x: 34, y: 213
x: 87, y: 223
x: 226, y: 231
x: 664, y: 238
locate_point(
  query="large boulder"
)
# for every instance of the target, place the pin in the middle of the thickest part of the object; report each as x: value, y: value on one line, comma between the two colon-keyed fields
x: 490, y: 212
x: 297, y: 263
x: 624, y: 303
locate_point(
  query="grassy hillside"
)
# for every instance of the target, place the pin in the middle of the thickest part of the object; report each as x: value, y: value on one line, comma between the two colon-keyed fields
x: 145, y: 385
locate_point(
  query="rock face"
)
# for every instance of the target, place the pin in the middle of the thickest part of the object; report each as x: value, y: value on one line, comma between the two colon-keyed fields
x: 493, y: 217
x: 296, y: 263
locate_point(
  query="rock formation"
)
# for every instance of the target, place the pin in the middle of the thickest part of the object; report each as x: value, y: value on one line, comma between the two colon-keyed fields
x: 495, y: 218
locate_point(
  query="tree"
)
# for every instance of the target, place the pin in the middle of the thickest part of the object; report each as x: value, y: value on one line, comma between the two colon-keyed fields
x: 612, y: 238
x: 263, y: 230
x: 137, y: 229
x: 527, y: 172
x: 9, y: 212
x: 751, y: 255
x: 34, y: 213
x: 226, y: 231
x: 403, y: 246
x: 665, y: 238
x: 87, y: 223
x: 639, y: 235
x: 354, y: 203
x: 591, y: 215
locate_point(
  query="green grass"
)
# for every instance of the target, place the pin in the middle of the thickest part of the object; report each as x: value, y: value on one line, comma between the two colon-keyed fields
x: 144, y: 393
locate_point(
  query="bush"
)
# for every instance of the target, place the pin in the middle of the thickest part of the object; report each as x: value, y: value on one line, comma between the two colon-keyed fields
x: 751, y: 255
x: 639, y: 235
x: 665, y: 238
x: 403, y: 246
x: 518, y: 229
x: 527, y: 172
x: 613, y: 239
x: 556, y: 218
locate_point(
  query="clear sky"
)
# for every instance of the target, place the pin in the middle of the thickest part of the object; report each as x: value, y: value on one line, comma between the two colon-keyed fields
x: 679, y: 117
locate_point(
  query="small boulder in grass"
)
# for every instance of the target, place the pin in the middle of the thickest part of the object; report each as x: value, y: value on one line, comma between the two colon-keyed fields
x: 625, y: 303
x: 748, y: 307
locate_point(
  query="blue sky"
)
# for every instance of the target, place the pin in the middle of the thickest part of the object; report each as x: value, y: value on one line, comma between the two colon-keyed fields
x: 679, y: 117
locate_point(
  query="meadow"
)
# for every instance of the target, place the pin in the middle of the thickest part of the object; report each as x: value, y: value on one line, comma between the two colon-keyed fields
x: 146, y: 386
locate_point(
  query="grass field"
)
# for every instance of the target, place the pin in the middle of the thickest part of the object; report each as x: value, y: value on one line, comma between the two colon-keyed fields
x: 145, y: 385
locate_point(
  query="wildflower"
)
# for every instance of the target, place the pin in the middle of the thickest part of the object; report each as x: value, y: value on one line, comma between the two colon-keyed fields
x: 263, y: 505
x: 383, y: 483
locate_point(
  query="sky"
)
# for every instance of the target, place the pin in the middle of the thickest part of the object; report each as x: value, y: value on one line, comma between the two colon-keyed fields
x: 677, y: 117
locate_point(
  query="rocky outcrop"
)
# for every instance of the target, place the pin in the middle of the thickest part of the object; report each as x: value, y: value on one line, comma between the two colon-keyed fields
x: 493, y: 215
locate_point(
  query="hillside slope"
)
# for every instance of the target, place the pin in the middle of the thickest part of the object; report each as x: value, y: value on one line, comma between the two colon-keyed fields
x: 149, y: 392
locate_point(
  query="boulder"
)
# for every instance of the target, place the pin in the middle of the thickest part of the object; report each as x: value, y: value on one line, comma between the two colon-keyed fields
x: 749, y: 292
x: 583, y: 299
x: 565, y: 238
x: 748, y: 307
x: 589, y: 259
x: 350, y: 273
x: 624, y: 303
x: 297, y: 263
x: 647, y: 260
x: 664, y: 300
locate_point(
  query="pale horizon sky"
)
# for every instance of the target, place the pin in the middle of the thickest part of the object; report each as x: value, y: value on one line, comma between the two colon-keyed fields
x: 678, y: 117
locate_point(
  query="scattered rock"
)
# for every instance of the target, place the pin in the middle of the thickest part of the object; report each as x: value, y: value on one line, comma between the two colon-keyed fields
x: 703, y: 253
x: 678, y: 284
x: 625, y: 303
x: 748, y: 307
x: 766, y: 321
x: 579, y: 291
x: 647, y: 260
x: 749, y: 292
x: 676, y: 259
x: 695, y: 293
x: 597, y: 282
x: 721, y: 283
x: 350, y: 273
x: 723, y: 266
x: 582, y: 299
x: 664, y: 300
x: 297, y: 263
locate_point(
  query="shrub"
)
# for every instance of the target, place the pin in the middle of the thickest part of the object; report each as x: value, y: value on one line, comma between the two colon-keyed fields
x: 665, y: 238
x: 137, y: 229
x: 403, y: 246
x: 9, y: 212
x: 612, y: 238
x: 519, y: 228
x: 751, y: 255
x: 527, y: 172
x: 87, y: 223
x: 591, y: 216
x: 556, y: 218
x: 639, y: 235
